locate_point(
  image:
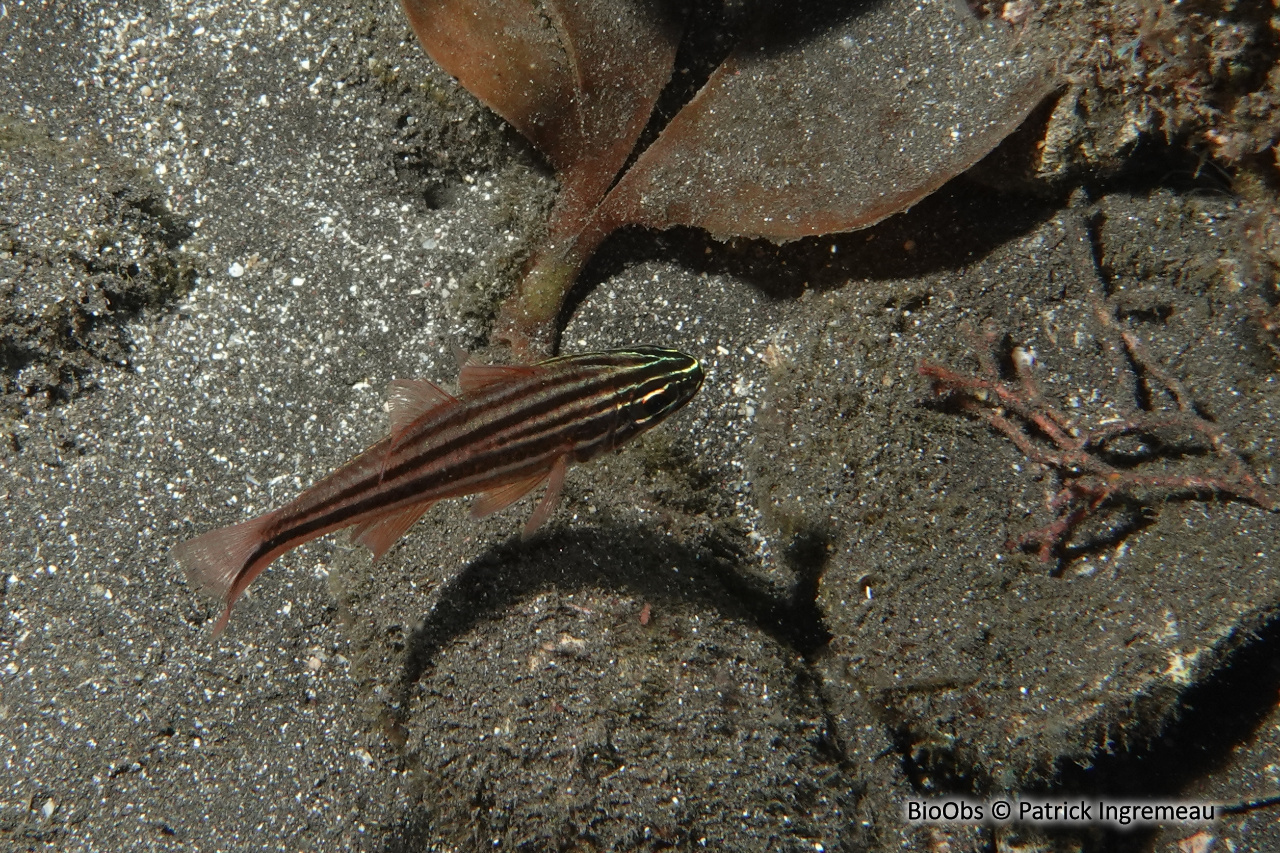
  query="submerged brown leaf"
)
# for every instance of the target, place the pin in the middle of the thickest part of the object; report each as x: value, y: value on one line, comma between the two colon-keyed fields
x: 831, y: 127
x: 826, y: 118
x: 578, y: 78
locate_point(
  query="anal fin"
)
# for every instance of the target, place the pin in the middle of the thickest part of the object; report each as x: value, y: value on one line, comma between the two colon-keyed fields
x: 378, y: 534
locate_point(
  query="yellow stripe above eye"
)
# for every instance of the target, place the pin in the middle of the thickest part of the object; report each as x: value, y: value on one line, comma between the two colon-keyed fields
x: 647, y: 397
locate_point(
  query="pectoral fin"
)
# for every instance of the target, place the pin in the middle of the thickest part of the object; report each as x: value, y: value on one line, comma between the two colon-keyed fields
x: 502, y: 497
x: 380, y: 533
x: 555, y: 483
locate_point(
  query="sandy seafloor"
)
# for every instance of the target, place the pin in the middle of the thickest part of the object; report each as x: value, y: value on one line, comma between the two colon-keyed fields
x: 763, y: 627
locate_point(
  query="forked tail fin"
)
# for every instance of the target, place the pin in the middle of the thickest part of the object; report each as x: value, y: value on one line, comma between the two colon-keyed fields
x: 223, y: 562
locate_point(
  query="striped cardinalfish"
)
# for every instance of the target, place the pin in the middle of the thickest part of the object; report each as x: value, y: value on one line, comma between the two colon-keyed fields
x: 509, y: 429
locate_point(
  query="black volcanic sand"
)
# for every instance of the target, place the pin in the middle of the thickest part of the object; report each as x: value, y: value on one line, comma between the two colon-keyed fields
x: 764, y: 626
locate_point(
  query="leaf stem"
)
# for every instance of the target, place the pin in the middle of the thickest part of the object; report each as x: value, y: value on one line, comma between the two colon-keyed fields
x: 527, y: 319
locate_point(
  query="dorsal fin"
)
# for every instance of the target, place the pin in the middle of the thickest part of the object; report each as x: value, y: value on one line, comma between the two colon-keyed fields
x: 460, y: 355
x: 410, y: 399
x: 473, y: 377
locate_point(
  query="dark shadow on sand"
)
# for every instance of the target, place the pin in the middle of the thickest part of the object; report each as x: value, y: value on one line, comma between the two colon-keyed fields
x: 632, y: 560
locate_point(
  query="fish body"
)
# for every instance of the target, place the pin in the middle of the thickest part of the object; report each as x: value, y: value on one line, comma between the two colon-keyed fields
x: 509, y: 429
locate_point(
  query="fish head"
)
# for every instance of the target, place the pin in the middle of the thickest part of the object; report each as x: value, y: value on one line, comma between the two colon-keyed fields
x: 661, y: 381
